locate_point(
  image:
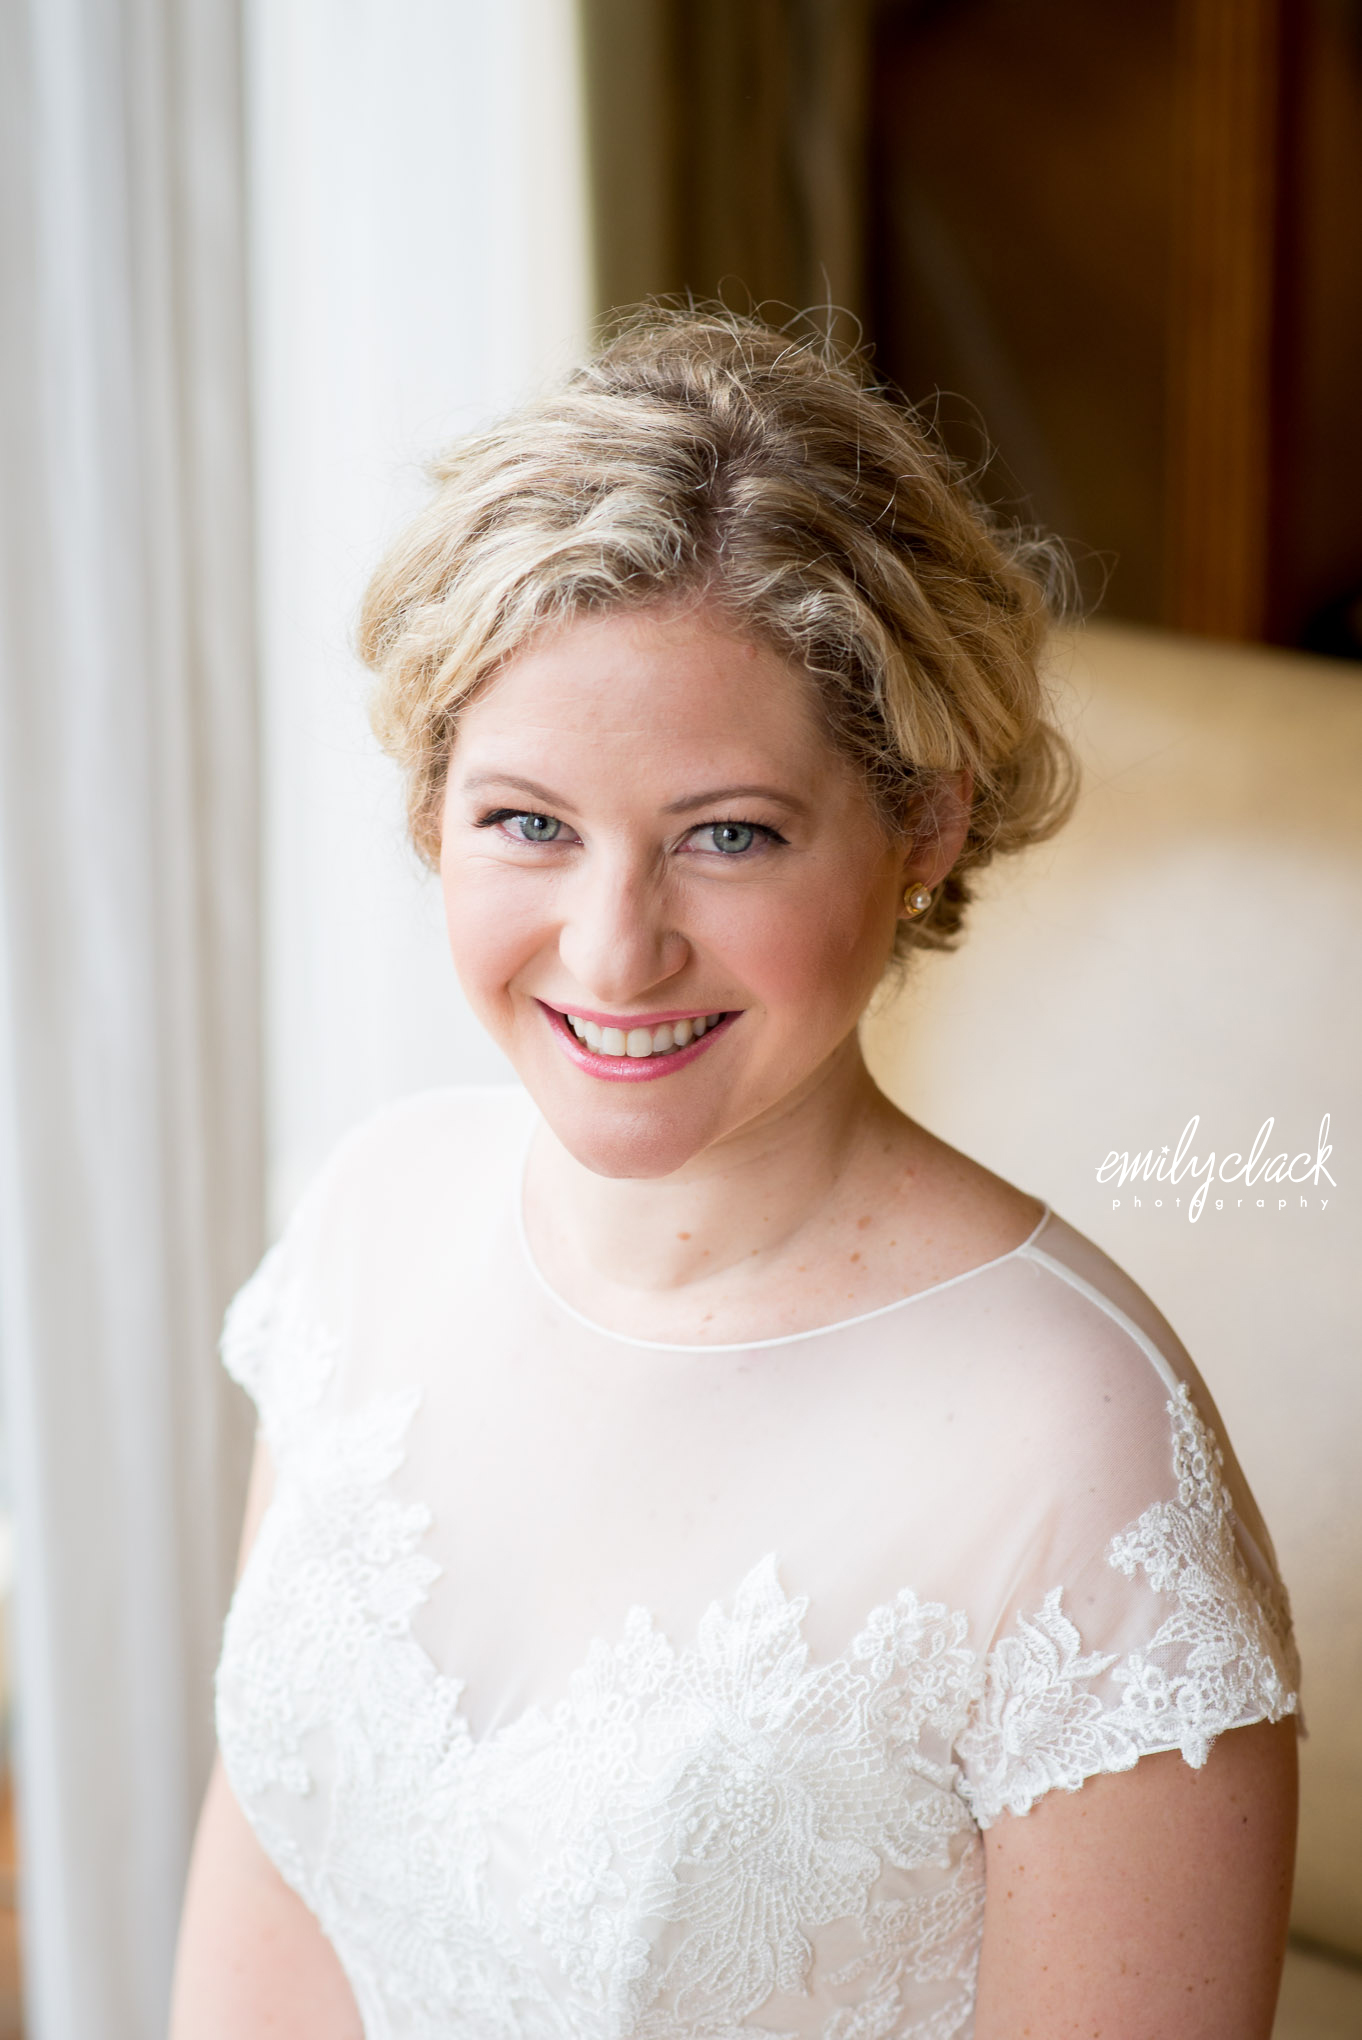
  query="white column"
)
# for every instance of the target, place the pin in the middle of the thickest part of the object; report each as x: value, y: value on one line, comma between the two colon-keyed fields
x: 420, y: 262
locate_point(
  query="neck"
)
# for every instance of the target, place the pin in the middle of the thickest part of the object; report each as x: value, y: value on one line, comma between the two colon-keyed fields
x: 735, y: 1211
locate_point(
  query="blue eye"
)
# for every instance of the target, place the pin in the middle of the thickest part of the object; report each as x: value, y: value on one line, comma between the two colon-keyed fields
x: 732, y: 838
x: 534, y: 828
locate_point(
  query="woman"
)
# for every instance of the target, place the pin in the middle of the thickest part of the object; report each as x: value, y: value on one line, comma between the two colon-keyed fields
x: 720, y: 1561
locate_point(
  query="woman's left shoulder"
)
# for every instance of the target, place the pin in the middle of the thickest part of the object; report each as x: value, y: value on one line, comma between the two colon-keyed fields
x: 1114, y: 1403
x: 1143, y: 1608
x: 1064, y: 1339
x: 1093, y: 1320
x: 1082, y: 1269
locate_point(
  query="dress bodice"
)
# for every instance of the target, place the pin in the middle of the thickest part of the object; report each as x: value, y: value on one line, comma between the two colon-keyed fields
x: 589, y: 1688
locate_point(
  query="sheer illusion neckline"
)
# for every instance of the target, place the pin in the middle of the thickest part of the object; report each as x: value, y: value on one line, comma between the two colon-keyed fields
x: 741, y: 1345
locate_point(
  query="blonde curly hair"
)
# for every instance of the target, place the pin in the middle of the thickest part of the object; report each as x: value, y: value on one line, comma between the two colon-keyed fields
x: 704, y: 454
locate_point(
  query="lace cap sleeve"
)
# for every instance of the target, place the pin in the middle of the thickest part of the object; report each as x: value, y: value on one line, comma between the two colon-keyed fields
x: 359, y: 1223
x: 245, y: 1343
x: 277, y: 1340
x: 1170, y: 1629
x: 271, y: 1351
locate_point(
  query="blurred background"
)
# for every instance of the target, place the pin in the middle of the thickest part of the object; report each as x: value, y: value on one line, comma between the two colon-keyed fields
x: 258, y: 262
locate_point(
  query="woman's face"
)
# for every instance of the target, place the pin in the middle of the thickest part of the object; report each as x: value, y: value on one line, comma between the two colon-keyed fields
x: 667, y: 894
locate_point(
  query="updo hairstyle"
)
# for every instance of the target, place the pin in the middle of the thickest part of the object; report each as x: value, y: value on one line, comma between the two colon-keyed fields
x: 707, y: 456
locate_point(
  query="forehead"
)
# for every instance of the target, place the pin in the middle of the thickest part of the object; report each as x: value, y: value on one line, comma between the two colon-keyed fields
x: 646, y: 690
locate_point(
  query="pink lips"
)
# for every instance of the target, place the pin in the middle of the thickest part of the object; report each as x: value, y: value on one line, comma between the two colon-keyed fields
x: 624, y: 1069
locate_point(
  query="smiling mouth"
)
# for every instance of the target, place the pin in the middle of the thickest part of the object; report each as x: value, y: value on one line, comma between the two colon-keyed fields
x: 638, y: 1050
x: 641, y: 1042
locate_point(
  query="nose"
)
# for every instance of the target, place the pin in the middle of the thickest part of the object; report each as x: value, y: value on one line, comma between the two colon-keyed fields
x: 617, y: 937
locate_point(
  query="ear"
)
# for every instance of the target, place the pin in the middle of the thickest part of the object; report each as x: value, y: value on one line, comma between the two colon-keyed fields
x: 942, y: 827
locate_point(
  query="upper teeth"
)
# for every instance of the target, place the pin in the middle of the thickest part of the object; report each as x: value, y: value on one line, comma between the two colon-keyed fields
x: 640, y: 1041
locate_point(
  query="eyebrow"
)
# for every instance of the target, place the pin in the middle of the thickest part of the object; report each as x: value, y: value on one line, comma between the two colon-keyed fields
x: 530, y: 786
x: 716, y: 794
x: 686, y: 805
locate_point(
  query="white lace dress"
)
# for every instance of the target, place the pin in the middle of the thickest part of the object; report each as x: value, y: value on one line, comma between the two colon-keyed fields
x: 588, y: 1688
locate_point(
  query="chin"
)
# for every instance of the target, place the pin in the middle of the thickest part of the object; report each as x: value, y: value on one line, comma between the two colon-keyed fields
x: 647, y: 1131
x: 628, y: 1141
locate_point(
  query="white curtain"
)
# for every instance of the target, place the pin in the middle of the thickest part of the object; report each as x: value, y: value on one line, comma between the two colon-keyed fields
x: 411, y: 250
x: 130, y: 1123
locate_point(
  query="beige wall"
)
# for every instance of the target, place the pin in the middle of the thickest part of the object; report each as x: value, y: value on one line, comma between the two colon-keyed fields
x: 1192, y: 944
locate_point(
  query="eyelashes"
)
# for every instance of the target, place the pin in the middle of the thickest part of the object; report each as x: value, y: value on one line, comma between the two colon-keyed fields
x: 542, y: 829
x: 731, y: 837
x: 753, y: 832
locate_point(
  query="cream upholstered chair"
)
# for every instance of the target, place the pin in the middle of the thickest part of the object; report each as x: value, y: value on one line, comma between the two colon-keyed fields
x: 1191, y: 946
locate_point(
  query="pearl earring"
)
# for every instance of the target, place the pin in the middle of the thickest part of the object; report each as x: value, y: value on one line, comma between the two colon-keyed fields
x: 917, y: 899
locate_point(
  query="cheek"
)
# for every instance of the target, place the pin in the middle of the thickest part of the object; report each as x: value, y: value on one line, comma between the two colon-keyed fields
x: 823, y: 951
x: 493, y: 928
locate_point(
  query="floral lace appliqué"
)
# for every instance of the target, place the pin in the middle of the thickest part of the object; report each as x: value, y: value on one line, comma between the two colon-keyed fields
x: 1224, y: 1655
x: 756, y: 1798
x: 1053, y: 1715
